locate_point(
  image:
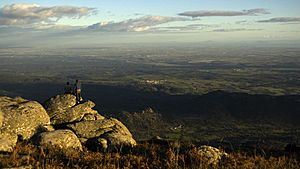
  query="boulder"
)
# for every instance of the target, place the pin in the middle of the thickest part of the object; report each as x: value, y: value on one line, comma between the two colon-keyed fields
x: 63, y: 109
x: 91, y: 129
x: 59, y: 103
x: 109, y: 131
x: 209, y: 155
x: 7, y: 101
x: 7, y: 141
x: 22, y: 117
x: 60, y: 139
x: 120, y: 135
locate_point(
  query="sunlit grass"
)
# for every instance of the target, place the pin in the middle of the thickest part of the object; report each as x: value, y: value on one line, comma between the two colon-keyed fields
x: 143, y: 156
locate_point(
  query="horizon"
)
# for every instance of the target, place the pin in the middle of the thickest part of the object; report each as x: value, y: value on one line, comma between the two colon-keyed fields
x: 88, y: 23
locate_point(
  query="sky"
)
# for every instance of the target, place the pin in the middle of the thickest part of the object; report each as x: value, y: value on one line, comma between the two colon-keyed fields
x: 96, y: 22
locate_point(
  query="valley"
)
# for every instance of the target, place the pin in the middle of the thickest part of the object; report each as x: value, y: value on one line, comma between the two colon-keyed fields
x: 236, y: 98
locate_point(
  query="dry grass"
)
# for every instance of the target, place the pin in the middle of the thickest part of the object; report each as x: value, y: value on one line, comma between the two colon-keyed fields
x: 142, y: 156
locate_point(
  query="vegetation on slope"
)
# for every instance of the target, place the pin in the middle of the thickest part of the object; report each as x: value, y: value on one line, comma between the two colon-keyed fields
x: 146, y: 155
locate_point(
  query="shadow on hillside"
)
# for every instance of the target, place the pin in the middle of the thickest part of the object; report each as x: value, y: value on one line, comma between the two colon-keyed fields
x: 218, y: 104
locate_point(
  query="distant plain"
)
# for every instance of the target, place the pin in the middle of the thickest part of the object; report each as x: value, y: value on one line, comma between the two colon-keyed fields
x: 243, y: 96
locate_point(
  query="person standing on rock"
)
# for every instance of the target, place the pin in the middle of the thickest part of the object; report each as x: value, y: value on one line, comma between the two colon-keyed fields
x: 77, y: 91
x: 68, y: 88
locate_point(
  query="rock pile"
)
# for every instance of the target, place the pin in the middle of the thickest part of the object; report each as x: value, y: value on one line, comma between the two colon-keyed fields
x: 88, y: 125
x: 61, y: 123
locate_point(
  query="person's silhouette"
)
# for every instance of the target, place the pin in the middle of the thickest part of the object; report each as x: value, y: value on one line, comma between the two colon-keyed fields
x: 68, y: 88
x: 77, y: 91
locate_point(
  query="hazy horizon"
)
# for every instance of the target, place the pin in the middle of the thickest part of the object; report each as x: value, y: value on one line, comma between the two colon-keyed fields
x: 66, y: 23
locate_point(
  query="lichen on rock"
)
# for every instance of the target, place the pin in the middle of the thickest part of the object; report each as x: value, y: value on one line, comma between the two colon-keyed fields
x: 22, y: 117
x: 109, y: 129
x: 7, y: 141
x: 63, y: 109
x: 62, y: 139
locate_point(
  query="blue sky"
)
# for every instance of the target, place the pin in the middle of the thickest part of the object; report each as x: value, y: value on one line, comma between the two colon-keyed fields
x: 195, y: 20
x: 122, y: 9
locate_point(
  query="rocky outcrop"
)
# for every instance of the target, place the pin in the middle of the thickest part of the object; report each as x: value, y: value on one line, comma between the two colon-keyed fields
x: 89, y: 126
x: 22, y: 117
x: 61, y: 139
x: 145, y: 124
x: 63, y: 109
x: 65, y: 125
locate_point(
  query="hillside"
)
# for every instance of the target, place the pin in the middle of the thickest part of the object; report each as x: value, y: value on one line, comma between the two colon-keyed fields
x: 52, y: 135
x: 239, y: 106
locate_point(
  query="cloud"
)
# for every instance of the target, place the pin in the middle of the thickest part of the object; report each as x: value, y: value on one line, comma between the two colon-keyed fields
x: 250, y: 12
x: 185, y: 28
x: 235, y: 30
x: 29, y: 14
x: 141, y: 24
x: 175, y: 28
x: 281, y: 20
